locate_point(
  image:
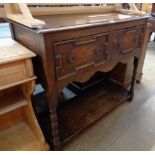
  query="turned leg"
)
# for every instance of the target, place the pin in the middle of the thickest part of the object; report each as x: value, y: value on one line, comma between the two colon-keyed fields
x: 131, y: 91
x: 138, y: 80
x: 54, y: 121
x: 55, y: 131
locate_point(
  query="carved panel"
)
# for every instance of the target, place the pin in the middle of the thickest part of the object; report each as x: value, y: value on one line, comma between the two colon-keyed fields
x: 80, y: 54
x: 127, y: 40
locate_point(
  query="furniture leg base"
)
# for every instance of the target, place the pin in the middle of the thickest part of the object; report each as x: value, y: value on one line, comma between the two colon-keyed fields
x: 130, y: 99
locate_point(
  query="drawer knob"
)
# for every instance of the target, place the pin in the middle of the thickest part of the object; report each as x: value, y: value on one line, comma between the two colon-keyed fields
x: 71, y: 59
x: 98, y: 51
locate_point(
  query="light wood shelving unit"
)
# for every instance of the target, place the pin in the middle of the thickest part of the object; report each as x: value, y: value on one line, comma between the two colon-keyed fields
x: 19, y: 129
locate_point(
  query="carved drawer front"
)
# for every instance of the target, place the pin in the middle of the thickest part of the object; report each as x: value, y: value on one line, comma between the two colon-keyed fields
x: 12, y: 72
x: 81, y: 53
x: 127, y: 40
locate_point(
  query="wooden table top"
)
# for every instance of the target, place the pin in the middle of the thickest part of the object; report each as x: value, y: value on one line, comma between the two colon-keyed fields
x: 71, y: 21
x: 11, y: 50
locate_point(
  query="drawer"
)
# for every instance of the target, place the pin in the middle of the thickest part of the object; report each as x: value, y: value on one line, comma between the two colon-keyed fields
x: 12, y: 72
x: 78, y: 54
x: 127, y: 40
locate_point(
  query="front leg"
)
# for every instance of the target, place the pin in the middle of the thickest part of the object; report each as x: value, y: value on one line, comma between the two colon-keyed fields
x: 131, y: 91
x: 55, y: 131
x: 53, y: 102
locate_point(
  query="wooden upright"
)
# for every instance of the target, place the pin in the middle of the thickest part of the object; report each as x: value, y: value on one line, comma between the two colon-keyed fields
x: 20, y: 13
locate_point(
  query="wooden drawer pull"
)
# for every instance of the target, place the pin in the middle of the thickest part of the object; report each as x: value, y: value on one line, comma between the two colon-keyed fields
x: 71, y: 59
x: 98, y: 51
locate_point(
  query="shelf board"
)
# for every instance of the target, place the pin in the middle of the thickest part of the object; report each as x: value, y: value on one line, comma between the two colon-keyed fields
x: 20, y: 137
x: 84, y: 110
x: 17, y: 83
x: 12, y: 101
x: 80, y: 112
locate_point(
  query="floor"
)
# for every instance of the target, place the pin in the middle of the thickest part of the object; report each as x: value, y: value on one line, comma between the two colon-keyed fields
x: 129, y: 127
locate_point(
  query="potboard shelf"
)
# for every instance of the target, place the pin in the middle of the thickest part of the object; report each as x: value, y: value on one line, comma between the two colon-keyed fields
x: 83, y: 110
x: 88, y: 108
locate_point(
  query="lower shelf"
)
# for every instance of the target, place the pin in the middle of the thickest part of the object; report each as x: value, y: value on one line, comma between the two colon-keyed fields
x: 84, y: 110
x: 20, y: 137
x: 76, y: 114
x: 12, y: 101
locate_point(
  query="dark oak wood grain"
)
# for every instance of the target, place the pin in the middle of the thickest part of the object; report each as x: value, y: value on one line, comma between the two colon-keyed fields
x: 73, y: 48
